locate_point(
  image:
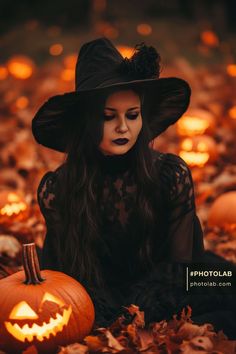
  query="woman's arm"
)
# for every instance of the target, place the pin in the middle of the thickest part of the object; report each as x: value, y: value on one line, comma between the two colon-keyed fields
x: 184, y: 234
x: 46, y: 200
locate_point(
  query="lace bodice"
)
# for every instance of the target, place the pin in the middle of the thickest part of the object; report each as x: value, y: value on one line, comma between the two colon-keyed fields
x: 182, y: 240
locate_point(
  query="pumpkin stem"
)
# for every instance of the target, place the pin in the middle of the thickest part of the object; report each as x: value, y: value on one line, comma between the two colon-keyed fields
x: 31, y: 265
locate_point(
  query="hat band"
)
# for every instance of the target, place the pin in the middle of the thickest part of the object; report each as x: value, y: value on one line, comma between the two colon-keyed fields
x: 94, y: 82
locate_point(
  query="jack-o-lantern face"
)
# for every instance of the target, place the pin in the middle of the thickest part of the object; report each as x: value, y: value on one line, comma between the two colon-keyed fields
x: 12, y: 207
x: 24, y: 323
x: 198, y: 150
x: 42, y: 309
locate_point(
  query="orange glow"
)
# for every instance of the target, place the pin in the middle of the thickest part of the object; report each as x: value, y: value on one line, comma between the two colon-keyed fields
x: 198, y: 150
x: 231, y: 69
x: 70, y: 61
x: 202, y: 147
x: 194, y: 158
x: 68, y: 75
x: 232, y: 112
x: 190, y: 125
x: 22, y: 311
x: 27, y: 333
x: 209, y: 38
x: 56, y: 49
x: 3, y: 73
x: 20, y: 67
x: 22, y: 102
x: 52, y: 298
x: 13, y: 205
x: 144, y: 29
x: 195, y: 122
x: 187, y: 145
x: 125, y: 51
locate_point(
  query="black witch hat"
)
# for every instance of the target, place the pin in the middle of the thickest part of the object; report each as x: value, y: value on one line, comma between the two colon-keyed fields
x: 100, y: 66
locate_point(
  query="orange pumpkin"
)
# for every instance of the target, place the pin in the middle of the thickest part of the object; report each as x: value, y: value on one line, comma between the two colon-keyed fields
x: 44, y: 309
x: 223, y: 211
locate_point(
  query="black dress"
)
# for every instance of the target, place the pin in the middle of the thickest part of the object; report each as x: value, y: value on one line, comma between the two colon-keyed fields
x: 160, y: 291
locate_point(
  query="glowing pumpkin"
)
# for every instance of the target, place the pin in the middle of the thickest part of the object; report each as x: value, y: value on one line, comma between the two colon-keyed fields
x: 44, y: 309
x: 198, y: 150
x: 223, y: 211
x: 21, y: 67
x: 195, y: 122
x: 12, y: 207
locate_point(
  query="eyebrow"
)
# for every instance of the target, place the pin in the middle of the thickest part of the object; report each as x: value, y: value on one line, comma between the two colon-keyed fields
x: 130, y: 109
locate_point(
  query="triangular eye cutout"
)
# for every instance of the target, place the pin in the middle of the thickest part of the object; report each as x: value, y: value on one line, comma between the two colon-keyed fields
x: 22, y: 311
x: 52, y: 298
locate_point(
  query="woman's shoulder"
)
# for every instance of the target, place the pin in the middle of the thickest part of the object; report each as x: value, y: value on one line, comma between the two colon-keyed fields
x: 46, y: 192
x: 169, y: 162
x: 175, y: 174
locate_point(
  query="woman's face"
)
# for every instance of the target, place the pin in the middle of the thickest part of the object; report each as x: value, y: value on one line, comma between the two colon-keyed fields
x: 122, y: 122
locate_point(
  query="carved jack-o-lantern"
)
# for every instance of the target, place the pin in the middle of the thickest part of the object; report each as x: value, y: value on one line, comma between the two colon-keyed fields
x: 198, y: 150
x: 45, y: 309
x: 12, y: 206
x: 195, y: 122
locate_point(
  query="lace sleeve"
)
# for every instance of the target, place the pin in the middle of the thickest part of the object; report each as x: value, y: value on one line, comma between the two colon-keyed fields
x: 185, y: 236
x: 47, y: 202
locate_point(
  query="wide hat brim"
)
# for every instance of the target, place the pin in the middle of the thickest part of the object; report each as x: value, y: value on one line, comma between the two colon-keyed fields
x: 166, y: 99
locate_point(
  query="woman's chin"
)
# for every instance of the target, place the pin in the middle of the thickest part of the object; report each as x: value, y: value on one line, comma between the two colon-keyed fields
x: 116, y: 150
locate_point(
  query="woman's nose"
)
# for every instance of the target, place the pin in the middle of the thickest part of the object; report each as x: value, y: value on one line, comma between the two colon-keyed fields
x: 121, y: 125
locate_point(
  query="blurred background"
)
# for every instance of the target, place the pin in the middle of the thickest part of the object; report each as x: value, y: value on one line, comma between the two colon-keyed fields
x: 39, y: 43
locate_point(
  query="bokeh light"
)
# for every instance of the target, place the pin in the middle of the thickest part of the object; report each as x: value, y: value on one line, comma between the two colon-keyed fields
x: 21, y: 67
x: 232, y: 112
x: 144, y: 29
x: 231, y: 69
x: 56, y: 49
x: 3, y: 73
x: 22, y: 102
x: 210, y: 38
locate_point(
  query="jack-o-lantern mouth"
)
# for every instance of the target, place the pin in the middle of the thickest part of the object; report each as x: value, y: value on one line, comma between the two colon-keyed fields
x: 192, y: 157
x: 52, y: 327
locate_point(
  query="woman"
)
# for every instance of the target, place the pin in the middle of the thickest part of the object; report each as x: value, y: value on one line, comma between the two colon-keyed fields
x: 120, y: 216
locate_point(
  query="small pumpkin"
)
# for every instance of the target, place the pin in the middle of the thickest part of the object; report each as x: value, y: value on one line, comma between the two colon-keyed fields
x: 42, y: 308
x: 223, y: 211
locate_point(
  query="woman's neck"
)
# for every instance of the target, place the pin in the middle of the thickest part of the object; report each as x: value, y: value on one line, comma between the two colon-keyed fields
x: 115, y: 164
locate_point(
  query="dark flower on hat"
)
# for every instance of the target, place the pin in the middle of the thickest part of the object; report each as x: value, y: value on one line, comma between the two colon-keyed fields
x: 144, y: 64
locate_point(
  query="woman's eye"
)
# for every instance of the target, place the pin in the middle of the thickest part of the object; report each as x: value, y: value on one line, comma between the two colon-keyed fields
x: 132, y: 115
x: 108, y: 117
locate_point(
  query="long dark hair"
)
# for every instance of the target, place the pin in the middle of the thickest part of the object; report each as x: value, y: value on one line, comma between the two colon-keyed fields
x: 79, y: 191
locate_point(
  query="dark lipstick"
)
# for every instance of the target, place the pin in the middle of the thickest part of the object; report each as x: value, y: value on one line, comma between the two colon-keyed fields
x: 120, y: 141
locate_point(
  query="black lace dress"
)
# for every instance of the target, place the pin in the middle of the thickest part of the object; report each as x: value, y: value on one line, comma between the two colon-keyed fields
x: 159, y: 292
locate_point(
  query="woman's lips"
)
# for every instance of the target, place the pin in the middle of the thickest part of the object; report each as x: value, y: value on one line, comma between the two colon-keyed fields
x: 120, y: 141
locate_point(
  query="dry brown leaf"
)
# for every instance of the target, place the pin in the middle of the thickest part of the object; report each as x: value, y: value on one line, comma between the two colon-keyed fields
x: 189, y: 330
x: 94, y: 343
x: 139, y: 315
x: 75, y: 348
